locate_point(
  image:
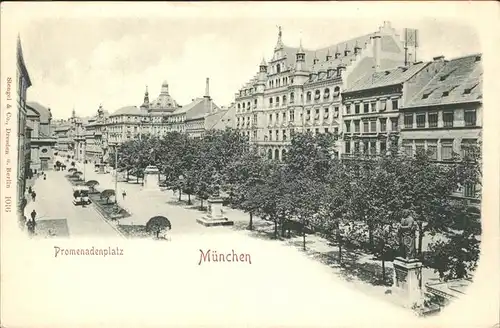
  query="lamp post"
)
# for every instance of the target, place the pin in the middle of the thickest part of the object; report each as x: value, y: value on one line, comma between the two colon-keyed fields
x: 84, y: 158
x: 116, y: 173
x: 181, y: 180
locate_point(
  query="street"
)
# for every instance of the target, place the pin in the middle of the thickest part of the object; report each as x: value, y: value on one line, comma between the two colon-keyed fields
x: 56, y: 212
x: 144, y: 204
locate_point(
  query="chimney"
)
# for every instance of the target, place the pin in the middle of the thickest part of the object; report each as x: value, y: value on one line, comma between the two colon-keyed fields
x: 376, y: 50
x: 438, y: 58
x: 207, y: 88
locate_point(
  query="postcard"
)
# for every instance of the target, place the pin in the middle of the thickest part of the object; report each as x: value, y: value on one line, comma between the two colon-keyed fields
x: 262, y: 164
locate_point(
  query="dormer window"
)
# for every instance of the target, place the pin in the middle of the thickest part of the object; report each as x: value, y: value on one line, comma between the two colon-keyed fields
x: 469, y: 89
x: 444, y: 77
x: 447, y: 92
x: 427, y: 94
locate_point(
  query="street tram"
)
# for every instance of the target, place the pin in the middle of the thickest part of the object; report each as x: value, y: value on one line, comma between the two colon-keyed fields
x: 81, y: 195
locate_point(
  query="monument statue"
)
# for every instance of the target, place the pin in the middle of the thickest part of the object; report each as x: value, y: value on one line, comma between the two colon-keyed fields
x: 216, y: 182
x: 406, y: 234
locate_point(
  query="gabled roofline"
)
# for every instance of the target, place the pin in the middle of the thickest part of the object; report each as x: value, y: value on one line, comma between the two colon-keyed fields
x: 389, y: 85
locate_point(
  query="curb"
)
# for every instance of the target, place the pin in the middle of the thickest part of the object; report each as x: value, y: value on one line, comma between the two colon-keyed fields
x: 109, y: 223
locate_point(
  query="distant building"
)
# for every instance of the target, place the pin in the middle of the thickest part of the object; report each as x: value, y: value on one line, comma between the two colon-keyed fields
x: 42, y: 142
x: 131, y: 122
x: 445, y: 115
x: 23, y: 143
x: 95, y: 146
x: 198, y: 113
x: 300, y: 90
x: 63, y: 141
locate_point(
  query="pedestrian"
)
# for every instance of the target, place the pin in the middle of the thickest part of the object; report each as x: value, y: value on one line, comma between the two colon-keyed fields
x: 33, y: 215
x: 31, y: 227
x: 33, y: 195
x: 124, y: 193
x: 45, y: 176
x: 30, y: 190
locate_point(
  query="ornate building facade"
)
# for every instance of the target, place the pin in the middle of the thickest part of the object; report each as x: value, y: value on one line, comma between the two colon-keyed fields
x: 300, y: 90
x: 42, y: 141
x: 94, y: 143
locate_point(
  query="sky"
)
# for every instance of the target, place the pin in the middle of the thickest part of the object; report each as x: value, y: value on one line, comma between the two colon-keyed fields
x: 81, y: 62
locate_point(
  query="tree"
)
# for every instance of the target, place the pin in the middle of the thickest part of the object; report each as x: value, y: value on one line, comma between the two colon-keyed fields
x: 157, y: 225
x: 456, y: 255
x: 107, y: 194
x: 244, y: 178
x: 92, y: 184
x: 308, y: 161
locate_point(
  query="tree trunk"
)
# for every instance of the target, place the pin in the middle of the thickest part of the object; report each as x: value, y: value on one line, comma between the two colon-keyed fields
x: 283, y: 227
x: 250, y: 224
x: 189, y: 199
x: 180, y: 194
x: 370, y: 236
x: 201, y: 199
x: 304, y: 234
x: 157, y: 234
x: 275, y: 228
x: 383, y: 270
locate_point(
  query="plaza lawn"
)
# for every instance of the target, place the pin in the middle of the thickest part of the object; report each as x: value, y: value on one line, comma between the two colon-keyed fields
x: 134, y: 231
x: 109, y: 210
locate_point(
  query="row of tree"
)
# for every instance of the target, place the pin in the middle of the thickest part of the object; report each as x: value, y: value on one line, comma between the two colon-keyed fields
x: 357, y: 203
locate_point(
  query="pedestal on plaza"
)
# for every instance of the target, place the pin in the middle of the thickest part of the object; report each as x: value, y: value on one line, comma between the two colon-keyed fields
x: 406, y: 281
x: 151, y: 178
x: 101, y: 169
x: 214, y: 215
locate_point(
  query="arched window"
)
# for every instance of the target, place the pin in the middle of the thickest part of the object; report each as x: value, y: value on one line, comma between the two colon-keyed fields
x: 243, y: 105
x: 248, y: 105
x: 317, y: 94
x: 284, y: 99
x: 283, y: 154
x: 239, y: 106
x: 308, y: 96
x: 277, y: 101
x: 278, y: 68
x: 270, y: 154
x: 270, y: 101
x: 336, y: 92
x: 326, y: 93
x: 277, y: 154
x: 292, y: 97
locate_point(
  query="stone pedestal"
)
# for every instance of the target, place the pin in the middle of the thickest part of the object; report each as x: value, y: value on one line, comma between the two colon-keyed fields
x: 214, y: 215
x: 151, y: 178
x: 406, y: 279
x: 101, y: 169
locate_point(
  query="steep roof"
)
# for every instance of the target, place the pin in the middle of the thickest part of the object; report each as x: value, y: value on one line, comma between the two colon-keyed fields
x: 222, y: 119
x: 44, y: 112
x: 459, y: 81
x: 320, y: 54
x: 386, y: 78
x: 198, y: 108
x: 127, y: 110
